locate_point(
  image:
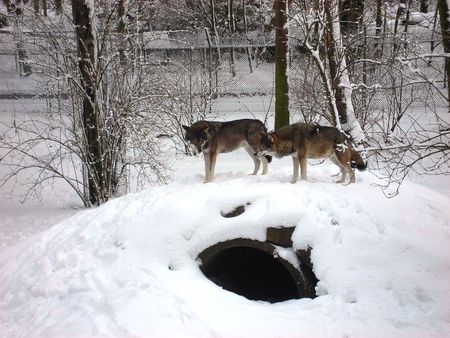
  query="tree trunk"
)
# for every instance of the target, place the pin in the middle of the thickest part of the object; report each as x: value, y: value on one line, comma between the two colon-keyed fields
x: 351, y: 14
x: 424, y: 6
x: 249, y: 57
x: 44, y: 7
x: 333, y: 58
x: 378, y: 23
x: 59, y: 6
x: 231, y: 28
x: 378, y: 20
x: 407, y: 15
x: 339, y: 73
x: 91, y: 128
x: 214, y: 28
x: 121, y: 31
x: 400, y: 12
x: 36, y: 6
x: 281, y: 63
x: 445, y: 28
x: 24, y: 64
x: 433, y: 31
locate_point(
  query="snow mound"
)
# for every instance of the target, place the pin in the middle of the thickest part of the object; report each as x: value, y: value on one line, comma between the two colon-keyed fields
x: 129, y: 268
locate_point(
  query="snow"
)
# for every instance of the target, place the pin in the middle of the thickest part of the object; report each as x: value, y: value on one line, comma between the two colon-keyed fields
x: 129, y: 267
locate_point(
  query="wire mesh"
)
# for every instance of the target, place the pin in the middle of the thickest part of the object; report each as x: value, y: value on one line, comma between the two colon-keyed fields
x: 239, y: 78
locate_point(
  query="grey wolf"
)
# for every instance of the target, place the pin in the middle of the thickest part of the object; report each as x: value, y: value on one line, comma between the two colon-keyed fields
x: 305, y: 141
x: 212, y: 138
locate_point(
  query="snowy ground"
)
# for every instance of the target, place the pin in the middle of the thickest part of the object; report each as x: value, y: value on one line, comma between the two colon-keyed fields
x: 383, y: 264
x: 129, y: 267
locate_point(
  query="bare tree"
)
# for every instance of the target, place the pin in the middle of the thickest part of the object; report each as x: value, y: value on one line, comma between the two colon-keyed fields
x: 100, y: 134
x: 323, y: 40
x: 97, y: 177
x: 214, y: 26
x: 244, y: 14
x: 36, y: 6
x: 424, y: 6
x: 445, y: 28
x: 397, y: 95
x: 17, y: 12
x: 351, y: 14
x: 59, y: 6
x: 231, y: 30
x: 280, y: 25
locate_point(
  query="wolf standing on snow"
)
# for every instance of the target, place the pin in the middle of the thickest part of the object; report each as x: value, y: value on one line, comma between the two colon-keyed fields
x: 212, y: 138
x: 303, y: 141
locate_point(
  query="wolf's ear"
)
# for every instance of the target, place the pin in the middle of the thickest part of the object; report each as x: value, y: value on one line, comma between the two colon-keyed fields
x: 185, y: 127
x: 206, y: 129
x: 271, y: 137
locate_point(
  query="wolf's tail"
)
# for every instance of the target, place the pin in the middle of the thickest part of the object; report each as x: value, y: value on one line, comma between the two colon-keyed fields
x: 356, y: 161
x: 268, y: 158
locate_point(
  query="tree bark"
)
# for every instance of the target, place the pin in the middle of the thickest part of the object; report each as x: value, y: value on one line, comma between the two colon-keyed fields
x: 378, y: 20
x: 281, y: 63
x: 121, y: 31
x: 44, y: 7
x: 424, y: 6
x: 231, y: 29
x: 86, y: 65
x: 332, y: 58
x: 59, y: 6
x: 341, y: 83
x: 24, y: 64
x: 351, y: 13
x: 249, y: 57
x: 214, y: 28
x: 445, y: 28
x: 378, y: 47
x: 36, y: 6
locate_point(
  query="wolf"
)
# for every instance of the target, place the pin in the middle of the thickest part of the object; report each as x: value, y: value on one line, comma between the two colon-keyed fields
x: 303, y: 141
x: 212, y: 138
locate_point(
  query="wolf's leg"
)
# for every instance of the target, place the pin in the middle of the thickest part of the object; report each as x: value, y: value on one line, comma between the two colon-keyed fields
x: 352, y: 175
x: 345, y: 160
x: 207, y: 159
x: 338, y: 158
x: 212, y: 165
x: 295, y: 163
x: 335, y: 160
x: 303, y: 170
x: 350, y: 171
x: 256, y: 160
x: 265, y: 164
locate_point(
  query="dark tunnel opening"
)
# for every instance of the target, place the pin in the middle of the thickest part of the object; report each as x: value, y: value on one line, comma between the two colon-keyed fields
x: 252, y: 273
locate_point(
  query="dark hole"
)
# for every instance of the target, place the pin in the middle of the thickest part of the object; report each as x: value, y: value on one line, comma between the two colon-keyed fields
x: 235, y: 212
x: 251, y: 273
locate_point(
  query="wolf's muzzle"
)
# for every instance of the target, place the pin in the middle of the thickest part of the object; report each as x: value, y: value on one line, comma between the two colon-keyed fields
x: 194, y: 149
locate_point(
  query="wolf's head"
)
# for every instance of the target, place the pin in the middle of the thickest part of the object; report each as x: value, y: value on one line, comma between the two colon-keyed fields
x: 266, y: 146
x: 197, y: 136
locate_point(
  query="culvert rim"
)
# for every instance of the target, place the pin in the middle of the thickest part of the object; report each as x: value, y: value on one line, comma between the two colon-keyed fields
x: 304, y: 279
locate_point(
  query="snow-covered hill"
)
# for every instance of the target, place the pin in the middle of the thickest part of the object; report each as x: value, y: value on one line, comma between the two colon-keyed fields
x: 129, y: 268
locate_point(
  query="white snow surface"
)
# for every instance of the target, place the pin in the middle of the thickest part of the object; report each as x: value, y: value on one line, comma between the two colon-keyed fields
x: 129, y: 268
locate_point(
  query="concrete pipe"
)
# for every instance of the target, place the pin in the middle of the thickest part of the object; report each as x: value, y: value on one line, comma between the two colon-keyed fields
x: 252, y: 269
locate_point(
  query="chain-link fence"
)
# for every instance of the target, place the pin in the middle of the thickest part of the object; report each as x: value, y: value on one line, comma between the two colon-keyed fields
x: 239, y: 77
x: 168, y: 79
x: 24, y: 83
